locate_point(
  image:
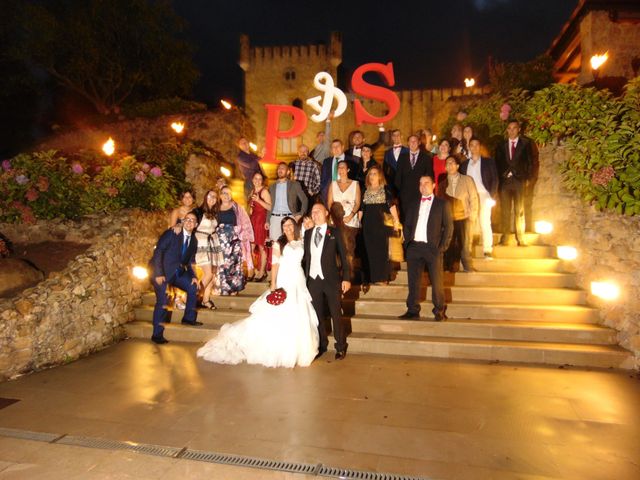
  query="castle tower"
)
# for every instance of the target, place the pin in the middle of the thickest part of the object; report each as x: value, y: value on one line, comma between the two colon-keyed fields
x: 284, y: 75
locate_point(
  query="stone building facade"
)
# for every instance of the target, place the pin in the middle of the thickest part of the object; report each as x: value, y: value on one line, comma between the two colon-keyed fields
x: 283, y: 75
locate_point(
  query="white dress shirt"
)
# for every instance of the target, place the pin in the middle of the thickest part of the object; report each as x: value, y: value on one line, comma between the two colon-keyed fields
x: 474, y: 170
x: 420, y: 235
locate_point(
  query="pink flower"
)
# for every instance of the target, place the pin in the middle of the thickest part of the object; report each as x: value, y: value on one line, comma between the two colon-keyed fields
x: 603, y: 176
x: 77, y: 168
x: 6, y: 165
x: 43, y: 184
x: 156, y: 172
x: 32, y: 195
x: 140, y: 177
x: 112, y: 191
x: 146, y: 167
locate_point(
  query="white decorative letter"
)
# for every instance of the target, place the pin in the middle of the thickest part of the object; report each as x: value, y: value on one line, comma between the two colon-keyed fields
x: 324, y: 83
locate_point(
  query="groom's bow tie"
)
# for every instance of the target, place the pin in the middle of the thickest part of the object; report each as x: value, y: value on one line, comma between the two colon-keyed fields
x: 426, y: 199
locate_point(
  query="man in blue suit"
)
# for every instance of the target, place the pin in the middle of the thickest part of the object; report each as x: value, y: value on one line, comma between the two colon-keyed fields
x: 329, y: 170
x: 171, y: 263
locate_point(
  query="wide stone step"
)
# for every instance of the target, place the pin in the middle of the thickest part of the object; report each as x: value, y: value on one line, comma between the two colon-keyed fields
x: 488, y: 329
x: 476, y: 328
x: 483, y: 294
x: 530, y: 238
x: 491, y: 311
x: 601, y: 356
x: 531, y: 251
x: 512, y: 265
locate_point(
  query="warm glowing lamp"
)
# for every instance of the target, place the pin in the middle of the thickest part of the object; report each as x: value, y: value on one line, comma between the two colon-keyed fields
x: 469, y: 82
x: 225, y: 171
x: 543, y: 228
x: 253, y: 146
x: 140, y: 273
x: 226, y: 104
x: 598, y: 60
x: 178, y: 127
x: 605, y: 290
x: 566, y: 253
x: 433, y: 139
x: 109, y: 147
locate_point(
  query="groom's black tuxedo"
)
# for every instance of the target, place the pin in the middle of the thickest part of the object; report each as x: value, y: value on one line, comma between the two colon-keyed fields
x: 329, y: 287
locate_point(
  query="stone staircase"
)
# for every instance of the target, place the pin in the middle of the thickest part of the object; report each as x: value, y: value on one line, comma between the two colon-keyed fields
x: 518, y: 307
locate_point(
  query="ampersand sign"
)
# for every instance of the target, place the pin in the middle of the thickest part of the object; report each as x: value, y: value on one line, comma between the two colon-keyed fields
x: 324, y: 82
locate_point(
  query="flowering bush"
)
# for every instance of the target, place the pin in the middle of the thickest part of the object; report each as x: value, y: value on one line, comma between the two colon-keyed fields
x: 48, y: 185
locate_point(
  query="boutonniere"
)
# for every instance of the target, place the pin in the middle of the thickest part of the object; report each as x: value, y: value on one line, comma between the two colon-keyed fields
x: 329, y: 233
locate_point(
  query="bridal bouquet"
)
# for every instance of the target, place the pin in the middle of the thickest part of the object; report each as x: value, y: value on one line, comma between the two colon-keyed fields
x: 277, y: 297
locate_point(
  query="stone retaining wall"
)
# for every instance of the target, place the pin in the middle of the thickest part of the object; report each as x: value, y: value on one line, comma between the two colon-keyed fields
x: 82, y: 308
x: 608, y: 246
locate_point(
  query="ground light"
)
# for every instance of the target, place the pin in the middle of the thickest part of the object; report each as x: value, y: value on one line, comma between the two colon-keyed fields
x: 605, y: 290
x: 140, y: 273
x: 566, y: 253
x: 542, y: 227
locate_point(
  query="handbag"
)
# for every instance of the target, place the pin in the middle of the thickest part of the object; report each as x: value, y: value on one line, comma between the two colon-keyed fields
x: 277, y: 297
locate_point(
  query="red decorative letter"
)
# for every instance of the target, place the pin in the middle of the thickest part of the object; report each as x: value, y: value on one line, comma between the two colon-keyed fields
x: 374, y: 92
x: 273, y: 122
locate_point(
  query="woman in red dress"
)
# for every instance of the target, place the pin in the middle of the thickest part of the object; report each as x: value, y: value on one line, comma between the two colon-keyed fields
x: 439, y: 170
x: 259, y: 204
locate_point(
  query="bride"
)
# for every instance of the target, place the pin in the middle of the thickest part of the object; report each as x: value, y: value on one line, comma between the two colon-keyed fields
x: 282, y: 335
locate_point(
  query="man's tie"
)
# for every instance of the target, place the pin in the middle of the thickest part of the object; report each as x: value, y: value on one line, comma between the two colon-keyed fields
x: 426, y: 199
x: 413, y: 159
x: 513, y: 149
x: 185, y: 245
x: 334, y: 174
x: 318, y: 237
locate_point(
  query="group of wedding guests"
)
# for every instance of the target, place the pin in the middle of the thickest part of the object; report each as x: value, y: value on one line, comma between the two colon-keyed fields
x: 441, y: 194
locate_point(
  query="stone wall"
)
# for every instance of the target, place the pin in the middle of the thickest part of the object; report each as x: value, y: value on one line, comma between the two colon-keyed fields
x: 219, y: 130
x: 82, y: 308
x: 608, y: 246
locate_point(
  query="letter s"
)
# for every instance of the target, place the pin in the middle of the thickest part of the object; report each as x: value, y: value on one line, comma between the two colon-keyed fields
x: 374, y: 92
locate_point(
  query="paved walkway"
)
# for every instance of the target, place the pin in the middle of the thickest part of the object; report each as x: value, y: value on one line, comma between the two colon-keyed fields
x: 435, y: 419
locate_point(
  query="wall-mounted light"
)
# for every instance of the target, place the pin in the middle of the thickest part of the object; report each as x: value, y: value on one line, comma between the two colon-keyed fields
x: 605, y: 290
x: 253, y: 146
x: 225, y: 171
x: 543, y: 228
x: 109, y: 147
x: 177, y: 127
x: 226, y: 105
x: 598, y: 60
x: 469, y: 82
x: 566, y: 253
x: 140, y: 273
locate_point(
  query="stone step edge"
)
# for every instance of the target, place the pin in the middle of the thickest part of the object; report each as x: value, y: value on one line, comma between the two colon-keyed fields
x: 466, y: 341
x: 464, y: 321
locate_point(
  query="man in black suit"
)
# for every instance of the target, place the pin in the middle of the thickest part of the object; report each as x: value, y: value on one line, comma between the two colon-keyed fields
x: 171, y: 265
x: 358, y: 141
x: 412, y: 165
x: 428, y: 231
x: 485, y: 175
x: 391, y: 156
x: 325, y: 280
x: 515, y: 164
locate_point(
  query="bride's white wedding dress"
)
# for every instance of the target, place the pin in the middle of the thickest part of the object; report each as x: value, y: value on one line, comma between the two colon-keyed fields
x: 283, y: 335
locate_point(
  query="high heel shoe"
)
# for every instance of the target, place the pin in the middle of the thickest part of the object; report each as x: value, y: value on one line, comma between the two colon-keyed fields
x: 210, y: 305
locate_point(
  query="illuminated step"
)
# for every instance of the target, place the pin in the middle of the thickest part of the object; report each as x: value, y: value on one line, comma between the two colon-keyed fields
x: 531, y: 251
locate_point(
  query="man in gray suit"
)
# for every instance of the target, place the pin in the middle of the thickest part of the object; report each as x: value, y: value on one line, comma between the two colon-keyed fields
x: 287, y: 200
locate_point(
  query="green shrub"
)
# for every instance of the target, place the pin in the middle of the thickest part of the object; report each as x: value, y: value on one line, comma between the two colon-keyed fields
x: 164, y: 106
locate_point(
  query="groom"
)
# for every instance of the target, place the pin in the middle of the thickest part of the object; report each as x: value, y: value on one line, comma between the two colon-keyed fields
x: 322, y: 246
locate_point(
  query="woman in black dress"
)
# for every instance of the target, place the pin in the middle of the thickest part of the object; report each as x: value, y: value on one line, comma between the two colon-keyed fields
x: 379, y: 218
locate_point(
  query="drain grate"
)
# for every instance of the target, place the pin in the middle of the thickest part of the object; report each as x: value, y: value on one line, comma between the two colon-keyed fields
x: 252, y: 462
x: 147, y: 449
x: 28, y: 435
x: 361, y: 475
x: 201, y: 456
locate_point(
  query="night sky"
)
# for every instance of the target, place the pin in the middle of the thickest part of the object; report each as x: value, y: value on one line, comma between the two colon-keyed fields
x: 431, y: 43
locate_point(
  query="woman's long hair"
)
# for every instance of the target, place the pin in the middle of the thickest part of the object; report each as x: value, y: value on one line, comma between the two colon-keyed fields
x: 282, y: 241
x: 210, y: 213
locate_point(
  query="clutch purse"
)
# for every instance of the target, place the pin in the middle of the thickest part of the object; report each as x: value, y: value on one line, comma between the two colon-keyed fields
x: 277, y: 297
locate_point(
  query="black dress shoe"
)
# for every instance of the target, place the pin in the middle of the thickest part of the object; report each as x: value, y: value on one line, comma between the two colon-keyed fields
x: 409, y: 316
x: 159, y: 340
x: 320, y: 353
x: 340, y: 355
x: 195, y: 323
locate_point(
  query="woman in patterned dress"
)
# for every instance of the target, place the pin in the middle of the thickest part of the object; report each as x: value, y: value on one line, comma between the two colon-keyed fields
x: 209, y: 253
x: 376, y: 206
